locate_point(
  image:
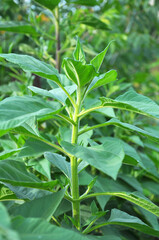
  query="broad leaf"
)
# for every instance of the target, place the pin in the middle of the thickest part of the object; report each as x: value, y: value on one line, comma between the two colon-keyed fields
x: 13, y: 110
x: 4, y: 220
x: 43, y: 207
x: 79, y: 53
x: 56, y: 93
x: 103, y: 79
x: 31, y: 64
x: 106, y: 184
x: 18, y: 27
x: 40, y: 229
x: 94, y: 22
x: 8, y: 153
x: 130, y: 127
x: 132, y: 101
x: 60, y: 162
x: 18, y: 193
x: 15, y: 173
x: 98, y: 59
x: 148, y: 165
x: 106, y: 157
x: 50, y: 4
x: 34, y: 147
x: 42, y: 166
x: 77, y: 72
x: 6, y: 233
x: 118, y: 217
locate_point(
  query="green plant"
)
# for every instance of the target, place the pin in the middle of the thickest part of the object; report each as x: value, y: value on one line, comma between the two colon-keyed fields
x: 42, y: 199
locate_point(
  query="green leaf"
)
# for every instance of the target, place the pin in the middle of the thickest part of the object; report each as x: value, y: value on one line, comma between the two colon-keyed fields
x: 132, y: 181
x: 118, y: 217
x: 34, y: 147
x: 79, y: 53
x: 60, y: 162
x: 42, y: 166
x: 43, y: 207
x: 103, y: 79
x: 6, y: 233
x: 106, y: 184
x: 8, y: 153
x: 40, y: 229
x: 4, y: 220
x: 148, y: 165
x: 94, y: 22
x: 18, y: 27
x: 13, y: 110
x: 31, y: 64
x: 84, y: 2
x: 130, y: 127
x: 98, y: 59
x: 77, y: 72
x: 56, y: 93
x: 136, y: 198
x: 106, y: 157
x: 132, y: 101
x: 15, y: 173
x: 50, y: 4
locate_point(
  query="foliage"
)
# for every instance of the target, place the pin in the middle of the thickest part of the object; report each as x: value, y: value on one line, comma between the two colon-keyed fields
x: 79, y: 148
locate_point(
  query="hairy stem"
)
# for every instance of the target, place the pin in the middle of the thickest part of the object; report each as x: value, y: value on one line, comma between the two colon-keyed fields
x: 94, y: 127
x: 74, y: 165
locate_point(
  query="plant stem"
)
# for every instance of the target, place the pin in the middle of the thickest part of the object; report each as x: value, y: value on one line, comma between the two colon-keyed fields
x: 67, y: 119
x: 94, y: 127
x: 68, y: 95
x: 83, y: 113
x: 57, y: 33
x: 74, y: 164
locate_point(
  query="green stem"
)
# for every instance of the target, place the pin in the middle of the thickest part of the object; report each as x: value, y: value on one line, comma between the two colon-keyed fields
x: 74, y: 164
x: 68, y: 95
x: 67, y: 119
x: 96, y: 227
x: 83, y: 113
x: 94, y: 127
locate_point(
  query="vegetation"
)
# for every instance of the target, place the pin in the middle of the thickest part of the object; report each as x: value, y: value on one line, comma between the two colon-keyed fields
x: 79, y: 120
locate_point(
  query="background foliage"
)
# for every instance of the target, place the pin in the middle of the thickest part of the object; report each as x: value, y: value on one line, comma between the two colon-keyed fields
x: 29, y: 27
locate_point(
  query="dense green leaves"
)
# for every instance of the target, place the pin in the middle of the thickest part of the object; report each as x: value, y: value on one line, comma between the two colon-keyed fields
x: 31, y: 64
x: 106, y: 158
x: 15, y: 173
x: 38, y: 228
x: 13, y: 110
x: 118, y: 217
x: 77, y: 72
x: 136, y: 198
x: 43, y: 207
x: 135, y: 102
